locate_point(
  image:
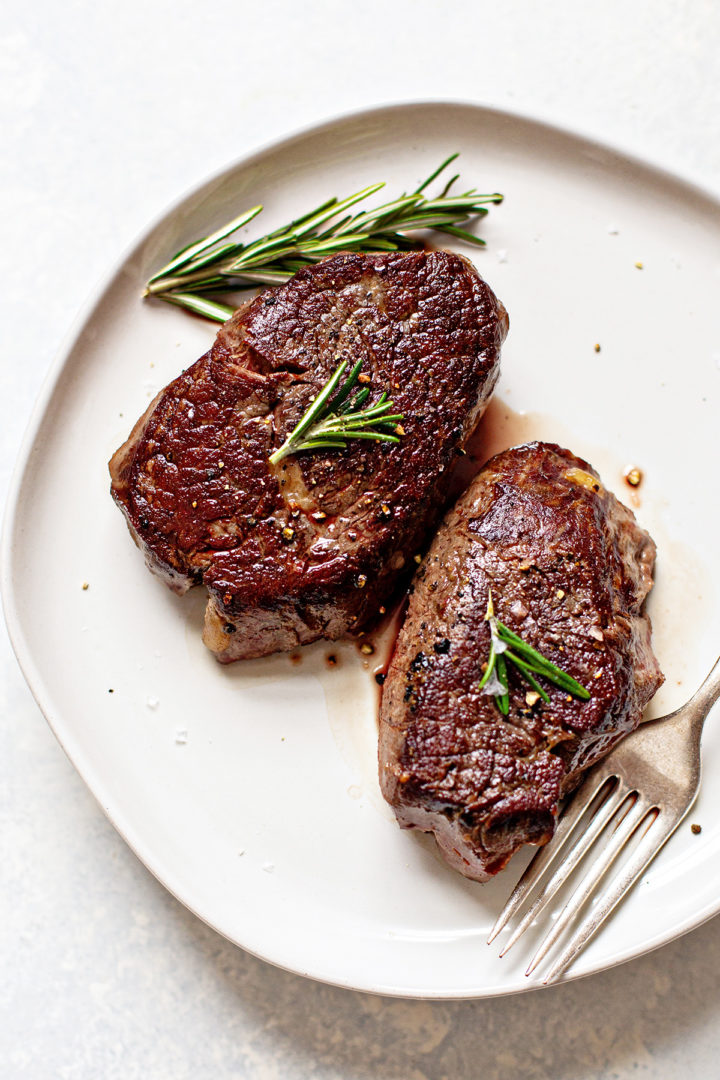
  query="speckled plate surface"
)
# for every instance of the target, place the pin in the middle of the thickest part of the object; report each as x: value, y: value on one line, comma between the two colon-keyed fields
x: 250, y: 791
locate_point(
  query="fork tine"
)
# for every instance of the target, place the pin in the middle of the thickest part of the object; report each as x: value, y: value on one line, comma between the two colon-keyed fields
x: 626, y: 827
x: 547, y: 855
x: 634, y: 869
x: 548, y: 887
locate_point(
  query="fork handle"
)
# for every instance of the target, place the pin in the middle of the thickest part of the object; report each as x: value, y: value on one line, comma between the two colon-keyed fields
x: 697, y: 708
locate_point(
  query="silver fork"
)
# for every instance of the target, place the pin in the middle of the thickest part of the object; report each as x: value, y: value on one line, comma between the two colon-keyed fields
x: 636, y: 796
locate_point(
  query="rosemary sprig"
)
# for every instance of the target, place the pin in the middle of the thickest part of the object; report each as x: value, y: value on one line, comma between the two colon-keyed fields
x: 333, y: 418
x: 506, y: 647
x: 220, y: 264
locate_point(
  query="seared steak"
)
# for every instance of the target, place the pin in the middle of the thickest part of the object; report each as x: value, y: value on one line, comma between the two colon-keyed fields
x: 311, y: 547
x: 569, y: 570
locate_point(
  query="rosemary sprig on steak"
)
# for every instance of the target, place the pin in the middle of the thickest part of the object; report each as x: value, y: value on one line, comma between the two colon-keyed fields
x: 333, y: 418
x: 217, y: 264
x: 506, y: 647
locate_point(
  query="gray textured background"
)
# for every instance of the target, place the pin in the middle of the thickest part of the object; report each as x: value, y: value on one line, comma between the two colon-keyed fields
x: 108, y: 112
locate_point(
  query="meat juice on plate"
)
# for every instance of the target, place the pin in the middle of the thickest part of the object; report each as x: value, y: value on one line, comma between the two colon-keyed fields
x: 678, y: 598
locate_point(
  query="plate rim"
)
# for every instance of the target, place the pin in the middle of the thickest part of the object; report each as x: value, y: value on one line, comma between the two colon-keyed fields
x: 49, y: 384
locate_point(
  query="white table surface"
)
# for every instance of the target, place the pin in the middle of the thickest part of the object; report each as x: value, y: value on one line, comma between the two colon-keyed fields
x: 107, y: 113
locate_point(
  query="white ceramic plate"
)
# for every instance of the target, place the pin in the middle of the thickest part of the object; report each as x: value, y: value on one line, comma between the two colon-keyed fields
x: 267, y: 821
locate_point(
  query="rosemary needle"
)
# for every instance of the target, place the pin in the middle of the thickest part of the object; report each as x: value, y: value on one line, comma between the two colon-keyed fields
x: 506, y: 648
x: 535, y: 661
x: 332, y: 418
x: 220, y: 263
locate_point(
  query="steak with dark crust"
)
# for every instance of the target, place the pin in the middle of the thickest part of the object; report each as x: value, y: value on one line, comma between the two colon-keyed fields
x: 569, y: 570
x: 312, y: 547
